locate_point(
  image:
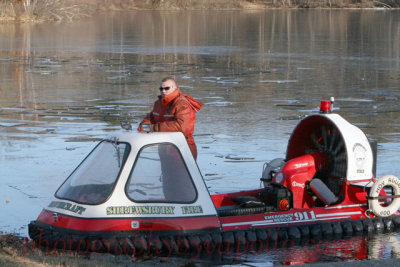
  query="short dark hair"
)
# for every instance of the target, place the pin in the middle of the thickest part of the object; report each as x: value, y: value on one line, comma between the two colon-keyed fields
x: 168, y: 79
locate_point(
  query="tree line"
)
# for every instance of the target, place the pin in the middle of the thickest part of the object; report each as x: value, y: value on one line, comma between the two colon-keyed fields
x: 69, y: 10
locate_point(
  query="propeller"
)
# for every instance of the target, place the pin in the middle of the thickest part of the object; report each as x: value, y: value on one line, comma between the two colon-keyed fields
x: 329, y: 141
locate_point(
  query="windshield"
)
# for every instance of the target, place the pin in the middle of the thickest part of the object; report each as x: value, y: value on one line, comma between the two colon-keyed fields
x: 160, y: 175
x: 93, y: 181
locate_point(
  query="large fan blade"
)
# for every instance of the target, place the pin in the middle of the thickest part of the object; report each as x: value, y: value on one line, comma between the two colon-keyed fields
x: 328, y: 139
x: 333, y: 145
x: 324, y: 135
x: 334, y: 139
x: 339, y: 149
x: 316, y: 144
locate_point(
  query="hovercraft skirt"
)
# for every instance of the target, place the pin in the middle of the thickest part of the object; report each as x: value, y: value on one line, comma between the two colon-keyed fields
x: 123, y: 242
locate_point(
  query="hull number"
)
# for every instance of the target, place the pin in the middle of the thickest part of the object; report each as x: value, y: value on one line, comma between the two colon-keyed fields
x: 304, y: 216
x: 290, y: 217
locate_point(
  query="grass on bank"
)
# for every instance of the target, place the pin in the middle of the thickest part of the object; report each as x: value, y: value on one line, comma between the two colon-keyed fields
x: 19, y: 252
x: 69, y: 10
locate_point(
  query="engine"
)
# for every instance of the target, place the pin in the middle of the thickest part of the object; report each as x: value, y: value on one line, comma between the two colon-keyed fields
x: 277, y: 197
x: 324, y: 151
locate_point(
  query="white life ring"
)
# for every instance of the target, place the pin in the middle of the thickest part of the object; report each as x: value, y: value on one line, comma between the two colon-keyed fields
x: 390, y: 181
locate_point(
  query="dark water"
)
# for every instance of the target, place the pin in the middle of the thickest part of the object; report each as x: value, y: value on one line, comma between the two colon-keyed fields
x: 65, y: 86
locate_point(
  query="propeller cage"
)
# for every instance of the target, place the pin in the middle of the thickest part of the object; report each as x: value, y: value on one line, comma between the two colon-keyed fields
x: 348, y: 149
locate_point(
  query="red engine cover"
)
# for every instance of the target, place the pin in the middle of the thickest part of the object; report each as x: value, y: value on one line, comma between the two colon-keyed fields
x: 296, y: 173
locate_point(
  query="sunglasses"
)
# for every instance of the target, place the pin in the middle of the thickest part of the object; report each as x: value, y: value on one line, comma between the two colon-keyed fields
x: 165, y: 88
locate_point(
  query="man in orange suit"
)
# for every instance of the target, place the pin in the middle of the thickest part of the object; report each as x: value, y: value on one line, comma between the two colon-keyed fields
x: 174, y: 111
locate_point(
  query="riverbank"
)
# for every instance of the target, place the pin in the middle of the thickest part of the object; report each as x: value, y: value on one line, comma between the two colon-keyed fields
x: 19, y: 252
x: 70, y: 10
x: 16, y: 251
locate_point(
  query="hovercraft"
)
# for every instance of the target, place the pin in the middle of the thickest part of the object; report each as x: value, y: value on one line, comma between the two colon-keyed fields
x: 142, y: 192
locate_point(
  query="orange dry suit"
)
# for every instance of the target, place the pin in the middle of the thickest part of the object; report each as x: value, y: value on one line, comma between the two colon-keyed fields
x: 175, y: 112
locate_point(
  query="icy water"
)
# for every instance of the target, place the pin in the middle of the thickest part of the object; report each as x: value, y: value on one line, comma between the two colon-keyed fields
x: 65, y: 86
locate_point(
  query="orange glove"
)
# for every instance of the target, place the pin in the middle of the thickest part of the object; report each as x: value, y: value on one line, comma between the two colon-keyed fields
x: 146, y: 124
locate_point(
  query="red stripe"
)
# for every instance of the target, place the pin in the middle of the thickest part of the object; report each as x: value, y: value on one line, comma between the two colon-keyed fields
x: 123, y: 224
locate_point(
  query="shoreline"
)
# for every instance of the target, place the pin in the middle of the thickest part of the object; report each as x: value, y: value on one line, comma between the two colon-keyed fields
x: 71, y: 10
x: 18, y: 251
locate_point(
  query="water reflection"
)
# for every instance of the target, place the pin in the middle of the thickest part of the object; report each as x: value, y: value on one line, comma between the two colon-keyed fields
x: 311, y: 251
x: 274, y: 55
x: 258, y: 72
x: 359, y: 248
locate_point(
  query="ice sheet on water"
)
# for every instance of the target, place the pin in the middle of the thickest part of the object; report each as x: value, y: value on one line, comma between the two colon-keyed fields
x: 116, y: 77
x: 186, y: 87
x: 220, y: 103
x: 43, y: 66
x: 13, y: 109
x: 278, y: 81
x: 71, y: 118
x: 118, y: 71
x: 211, y: 78
x: 42, y: 72
x: 352, y: 99
x: 223, y: 136
x: 157, y: 50
x: 228, y: 82
x: 11, y: 124
x: 94, y: 100
x: 214, y: 97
